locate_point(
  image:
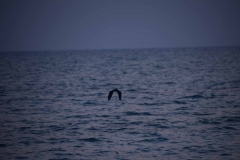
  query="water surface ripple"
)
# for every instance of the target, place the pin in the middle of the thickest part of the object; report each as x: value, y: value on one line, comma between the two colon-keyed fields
x: 176, y: 104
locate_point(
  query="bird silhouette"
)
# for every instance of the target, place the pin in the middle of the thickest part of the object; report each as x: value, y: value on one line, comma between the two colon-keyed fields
x: 111, y: 93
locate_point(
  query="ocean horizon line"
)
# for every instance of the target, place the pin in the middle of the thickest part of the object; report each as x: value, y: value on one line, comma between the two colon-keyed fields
x: 123, y: 49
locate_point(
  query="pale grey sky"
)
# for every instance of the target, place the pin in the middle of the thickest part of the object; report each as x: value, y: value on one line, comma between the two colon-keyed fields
x: 106, y: 24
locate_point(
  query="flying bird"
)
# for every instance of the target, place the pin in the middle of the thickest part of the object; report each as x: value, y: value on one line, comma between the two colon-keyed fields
x: 115, y: 90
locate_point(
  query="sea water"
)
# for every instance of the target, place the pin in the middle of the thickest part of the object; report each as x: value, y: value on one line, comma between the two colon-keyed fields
x: 180, y: 103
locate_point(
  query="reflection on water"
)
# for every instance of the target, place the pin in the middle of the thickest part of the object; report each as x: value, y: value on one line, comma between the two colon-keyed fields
x: 176, y: 104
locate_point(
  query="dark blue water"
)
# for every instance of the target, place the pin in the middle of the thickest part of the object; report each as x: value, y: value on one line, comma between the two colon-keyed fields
x: 176, y: 104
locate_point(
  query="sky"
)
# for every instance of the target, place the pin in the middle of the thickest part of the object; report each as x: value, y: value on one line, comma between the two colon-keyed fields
x: 27, y: 25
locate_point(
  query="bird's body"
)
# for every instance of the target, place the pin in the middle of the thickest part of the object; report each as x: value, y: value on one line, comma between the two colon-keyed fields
x: 115, y: 90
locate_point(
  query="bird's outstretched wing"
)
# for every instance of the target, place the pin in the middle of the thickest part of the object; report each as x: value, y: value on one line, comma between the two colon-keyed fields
x: 110, y: 95
x: 119, y: 94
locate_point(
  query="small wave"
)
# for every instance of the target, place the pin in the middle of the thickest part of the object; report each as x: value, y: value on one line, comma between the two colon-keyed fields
x: 182, y: 108
x: 120, y: 129
x: 158, y: 139
x: 56, y: 149
x: 169, y: 83
x: 206, y: 121
x: 89, y: 103
x: 3, y: 145
x: 159, y: 67
x: 196, y: 96
x: 133, y: 132
x: 179, y: 102
x: 89, y: 140
x: 225, y: 154
x: 24, y: 128
x: 137, y: 113
x: 104, y: 116
x: 202, y: 114
x: 131, y: 90
x: 93, y: 129
x: 192, y: 148
x: 157, y: 125
x: 161, y: 119
x: 21, y: 157
x: 148, y: 104
x: 225, y: 128
x: 229, y: 128
x: 148, y: 98
x: 233, y: 119
x: 136, y: 123
x: 78, y: 116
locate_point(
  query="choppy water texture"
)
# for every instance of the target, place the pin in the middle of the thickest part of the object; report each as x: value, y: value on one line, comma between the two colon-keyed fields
x: 176, y: 104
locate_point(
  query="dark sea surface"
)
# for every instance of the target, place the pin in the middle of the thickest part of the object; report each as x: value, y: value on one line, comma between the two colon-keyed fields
x: 176, y: 104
